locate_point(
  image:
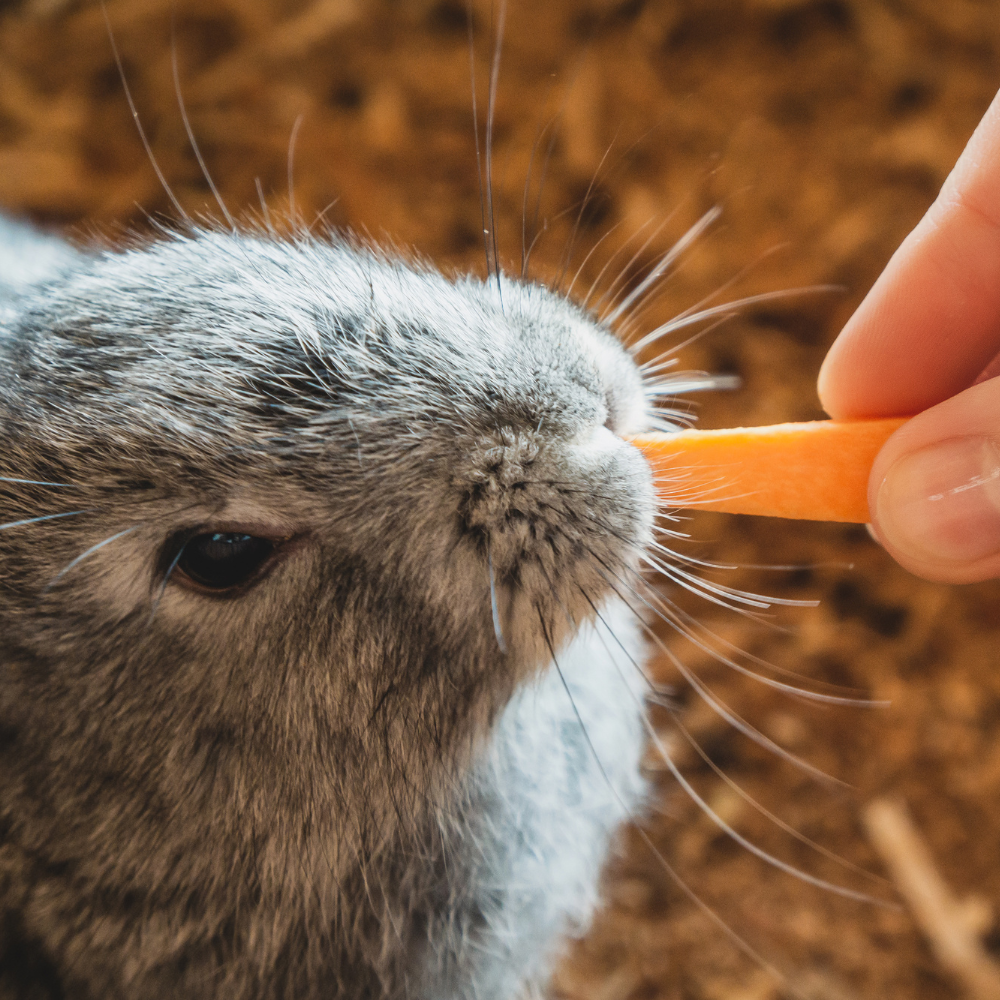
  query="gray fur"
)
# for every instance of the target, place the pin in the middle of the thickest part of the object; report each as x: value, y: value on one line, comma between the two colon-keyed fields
x: 335, y: 783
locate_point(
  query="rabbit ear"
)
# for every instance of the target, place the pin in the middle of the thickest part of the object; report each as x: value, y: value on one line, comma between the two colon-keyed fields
x: 29, y: 257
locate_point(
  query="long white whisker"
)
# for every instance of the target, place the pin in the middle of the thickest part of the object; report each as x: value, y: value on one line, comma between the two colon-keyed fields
x: 759, y: 852
x: 611, y: 259
x: 612, y: 289
x: 745, y: 843
x: 475, y: 129
x: 36, y: 482
x: 44, y: 517
x: 574, y: 232
x: 701, y: 588
x: 705, y: 909
x: 721, y: 589
x: 670, y: 352
x: 687, y: 626
x: 683, y: 321
x: 662, y: 265
x: 291, y: 167
x: 163, y: 585
x: 682, y: 624
x: 728, y: 284
x: 497, y: 631
x: 691, y: 560
x: 671, y: 423
x: 194, y: 143
x: 490, y: 114
x: 589, y: 254
x: 749, y: 845
x: 680, y: 383
x: 719, y: 707
x: 524, y: 199
x: 764, y: 811
x: 135, y: 118
x: 94, y: 548
x: 654, y: 365
x: 264, y: 210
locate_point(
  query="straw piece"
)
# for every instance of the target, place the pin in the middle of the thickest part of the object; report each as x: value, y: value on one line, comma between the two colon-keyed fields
x: 952, y: 926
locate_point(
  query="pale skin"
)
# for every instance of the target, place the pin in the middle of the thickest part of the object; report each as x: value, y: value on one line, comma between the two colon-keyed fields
x: 926, y: 342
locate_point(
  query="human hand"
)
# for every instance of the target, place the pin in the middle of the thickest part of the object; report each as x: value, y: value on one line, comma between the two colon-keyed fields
x: 926, y: 341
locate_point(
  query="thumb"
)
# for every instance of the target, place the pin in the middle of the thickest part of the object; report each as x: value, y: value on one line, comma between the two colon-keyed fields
x: 934, y: 492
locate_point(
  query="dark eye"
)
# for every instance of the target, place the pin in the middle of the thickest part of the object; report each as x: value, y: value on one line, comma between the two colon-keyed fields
x: 220, y: 560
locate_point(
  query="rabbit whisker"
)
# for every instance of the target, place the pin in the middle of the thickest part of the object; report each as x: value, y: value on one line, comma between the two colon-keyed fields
x: 94, y: 548
x: 44, y: 517
x: 36, y: 482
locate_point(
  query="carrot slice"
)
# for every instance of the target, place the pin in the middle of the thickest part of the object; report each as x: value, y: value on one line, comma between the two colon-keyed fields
x: 817, y: 470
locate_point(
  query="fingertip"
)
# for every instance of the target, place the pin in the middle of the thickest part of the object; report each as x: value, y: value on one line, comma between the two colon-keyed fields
x: 838, y: 374
x: 842, y: 393
x: 826, y: 383
x: 934, y: 493
x: 823, y: 385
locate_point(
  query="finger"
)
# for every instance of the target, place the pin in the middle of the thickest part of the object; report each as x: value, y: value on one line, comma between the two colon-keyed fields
x: 931, y: 322
x: 934, y: 491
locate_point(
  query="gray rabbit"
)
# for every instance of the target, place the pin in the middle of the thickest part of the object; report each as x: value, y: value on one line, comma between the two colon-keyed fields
x: 316, y: 679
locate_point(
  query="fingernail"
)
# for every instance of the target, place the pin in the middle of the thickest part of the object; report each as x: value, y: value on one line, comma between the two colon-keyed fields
x: 942, y: 503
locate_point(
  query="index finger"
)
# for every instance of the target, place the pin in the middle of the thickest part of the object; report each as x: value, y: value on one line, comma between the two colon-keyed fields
x: 931, y: 322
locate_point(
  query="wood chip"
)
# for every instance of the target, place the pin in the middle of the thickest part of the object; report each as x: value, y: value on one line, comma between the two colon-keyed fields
x: 952, y: 926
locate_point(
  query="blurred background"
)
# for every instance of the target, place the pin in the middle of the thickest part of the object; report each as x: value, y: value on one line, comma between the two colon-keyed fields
x: 822, y: 129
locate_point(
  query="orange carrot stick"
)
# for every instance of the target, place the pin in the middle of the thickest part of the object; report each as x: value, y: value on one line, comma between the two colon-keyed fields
x: 817, y: 470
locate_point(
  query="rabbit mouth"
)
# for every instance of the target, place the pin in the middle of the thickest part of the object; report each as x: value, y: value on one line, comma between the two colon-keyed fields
x: 557, y: 521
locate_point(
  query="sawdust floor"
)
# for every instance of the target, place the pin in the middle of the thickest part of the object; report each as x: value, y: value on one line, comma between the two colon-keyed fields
x: 823, y: 129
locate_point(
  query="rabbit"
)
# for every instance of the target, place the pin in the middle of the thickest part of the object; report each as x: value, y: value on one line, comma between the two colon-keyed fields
x: 318, y: 672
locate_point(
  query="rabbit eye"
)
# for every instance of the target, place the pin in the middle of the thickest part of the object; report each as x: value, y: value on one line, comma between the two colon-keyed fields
x: 221, y: 560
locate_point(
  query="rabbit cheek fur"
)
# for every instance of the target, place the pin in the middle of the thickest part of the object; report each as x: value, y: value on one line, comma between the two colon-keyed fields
x: 333, y: 781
